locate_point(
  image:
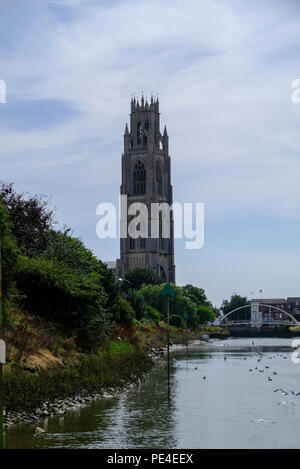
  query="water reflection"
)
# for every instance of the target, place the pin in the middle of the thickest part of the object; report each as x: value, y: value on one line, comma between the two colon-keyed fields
x: 143, y: 417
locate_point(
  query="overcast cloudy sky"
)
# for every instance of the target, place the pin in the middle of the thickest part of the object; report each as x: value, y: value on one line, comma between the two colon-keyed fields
x: 223, y: 71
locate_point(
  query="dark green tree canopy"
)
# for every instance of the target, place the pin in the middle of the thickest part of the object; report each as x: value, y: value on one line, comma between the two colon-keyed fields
x: 127, y: 314
x: 196, y: 295
x: 134, y: 279
x: 9, y: 254
x: 205, y: 314
x: 31, y: 218
x: 236, y: 301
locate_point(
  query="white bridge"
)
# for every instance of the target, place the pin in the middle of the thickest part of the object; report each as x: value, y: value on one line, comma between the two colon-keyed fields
x: 257, y: 320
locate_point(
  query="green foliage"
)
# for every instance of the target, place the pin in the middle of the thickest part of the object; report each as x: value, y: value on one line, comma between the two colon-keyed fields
x: 69, y: 285
x: 152, y: 314
x: 56, y: 292
x: 135, y: 278
x: 196, y: 295
x: 31, y: 218
x: 120, y: 346
x: 205, y: 314
x: 179, y: 304
x: 72, y: 253
x: 236, y: 301
x: 147, y: 300
x: 176, y: 320
x: 9, y: 255
x: 122, y: 363
x: 137, y: 302
x: 127, y: 313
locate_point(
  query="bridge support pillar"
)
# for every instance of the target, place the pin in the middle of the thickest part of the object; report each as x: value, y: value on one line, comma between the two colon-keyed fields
x: 256, y: 315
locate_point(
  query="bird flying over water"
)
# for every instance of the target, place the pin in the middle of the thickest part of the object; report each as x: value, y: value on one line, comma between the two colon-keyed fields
x: 281, y: 390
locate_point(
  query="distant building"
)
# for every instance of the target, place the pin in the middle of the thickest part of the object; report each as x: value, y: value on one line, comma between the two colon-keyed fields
x: 294, y: 306
x: 274, y: 308
x: 112, y: 265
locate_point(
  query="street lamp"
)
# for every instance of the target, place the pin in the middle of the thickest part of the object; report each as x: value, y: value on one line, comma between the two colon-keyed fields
x: 124, y: 280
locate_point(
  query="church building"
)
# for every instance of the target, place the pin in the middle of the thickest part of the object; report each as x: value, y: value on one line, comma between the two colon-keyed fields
x: 146, y: 178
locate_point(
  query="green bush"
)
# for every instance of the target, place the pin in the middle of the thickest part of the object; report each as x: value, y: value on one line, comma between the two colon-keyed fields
x: 137, y: 301
x: 152, y: 314
x: 59, y: 293
x: 120, y: 346
x: 205, y: 314
x: 179, y: 304
x: 72, y: 253
x: 127, y: 313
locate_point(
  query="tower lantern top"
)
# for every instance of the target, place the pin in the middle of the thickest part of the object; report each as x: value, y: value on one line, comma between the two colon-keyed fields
x: 144, y: 105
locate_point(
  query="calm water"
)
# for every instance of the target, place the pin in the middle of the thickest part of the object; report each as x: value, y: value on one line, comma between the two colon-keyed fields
x: 232, y: 408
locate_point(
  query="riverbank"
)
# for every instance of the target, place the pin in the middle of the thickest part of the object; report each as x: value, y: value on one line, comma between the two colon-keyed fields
x: 44, y: 385
x: 32, y: 395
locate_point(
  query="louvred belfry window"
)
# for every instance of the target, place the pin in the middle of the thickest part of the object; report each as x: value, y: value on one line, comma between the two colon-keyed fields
x: 139, y: 178
x: 159, y: 178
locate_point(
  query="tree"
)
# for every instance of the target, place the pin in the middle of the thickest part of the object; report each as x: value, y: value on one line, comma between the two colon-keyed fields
x: 137, y: 301
x: 236, y: 301
x: 177, y: 320
x: 152, y: 314
x: 9, y: 255
x: 31, y: 218
x: 126, y: 311
x: 69, y: 285
x: 179, y: 304
x: 135, y: 278
x: 70, y: 251
x: 196, y: 294
x: 205, y: 314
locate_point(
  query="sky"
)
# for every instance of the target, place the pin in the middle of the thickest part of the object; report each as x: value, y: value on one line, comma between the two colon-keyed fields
x: 223, y: 71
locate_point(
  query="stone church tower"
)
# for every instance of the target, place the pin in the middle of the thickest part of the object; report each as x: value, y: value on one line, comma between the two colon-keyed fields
x: 146, y: 177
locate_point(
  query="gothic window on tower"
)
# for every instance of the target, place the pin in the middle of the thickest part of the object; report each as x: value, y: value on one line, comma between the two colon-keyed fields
x: 132, y: 243
x: 162, y: 273
x: 139, y: 178
x: 159, y: 178
x: 139, y: 132
x: 146, y: 125
x: 142, y: 243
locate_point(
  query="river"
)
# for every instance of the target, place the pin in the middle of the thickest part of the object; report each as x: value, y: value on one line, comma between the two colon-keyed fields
x: 232, y: 407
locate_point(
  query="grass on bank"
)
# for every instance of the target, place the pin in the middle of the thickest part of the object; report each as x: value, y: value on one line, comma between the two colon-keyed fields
x: 121, y: 364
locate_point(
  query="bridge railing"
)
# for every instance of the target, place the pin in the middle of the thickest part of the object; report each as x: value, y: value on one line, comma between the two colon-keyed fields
x: 264, y: 321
